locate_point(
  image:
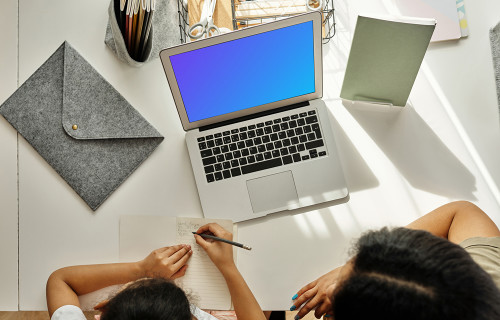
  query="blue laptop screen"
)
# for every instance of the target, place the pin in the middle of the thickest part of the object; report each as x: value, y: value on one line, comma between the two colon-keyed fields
x: 246, y: 72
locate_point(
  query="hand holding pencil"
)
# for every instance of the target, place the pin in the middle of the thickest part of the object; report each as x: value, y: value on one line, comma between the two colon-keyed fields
x: 219, y: 252
x: 233, y: 243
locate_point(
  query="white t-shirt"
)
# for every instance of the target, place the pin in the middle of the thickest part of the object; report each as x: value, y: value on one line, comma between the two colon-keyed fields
x: 70, y: 312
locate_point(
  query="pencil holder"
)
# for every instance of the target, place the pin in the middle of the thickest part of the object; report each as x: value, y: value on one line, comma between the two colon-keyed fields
x: 164, y: 32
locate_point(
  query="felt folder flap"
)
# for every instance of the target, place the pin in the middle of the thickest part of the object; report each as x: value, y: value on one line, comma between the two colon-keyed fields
x: 96, y: 109
x: 110, y: 138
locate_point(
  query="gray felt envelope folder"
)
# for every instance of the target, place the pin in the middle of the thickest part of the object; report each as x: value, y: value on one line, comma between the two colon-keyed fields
x: 80, y: 125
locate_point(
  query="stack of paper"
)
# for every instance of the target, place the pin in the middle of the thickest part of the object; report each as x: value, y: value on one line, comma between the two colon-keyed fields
x: 266, y: 8
x: 449, y: 14
x: 462, y: 18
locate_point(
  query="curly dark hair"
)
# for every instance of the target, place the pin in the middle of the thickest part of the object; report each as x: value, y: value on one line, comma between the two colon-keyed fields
x: 412, y: 274
x: 148, y: 299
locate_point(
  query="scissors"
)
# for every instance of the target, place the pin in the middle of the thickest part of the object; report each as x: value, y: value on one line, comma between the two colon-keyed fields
x: 206, y: 23
x: 315, y: 5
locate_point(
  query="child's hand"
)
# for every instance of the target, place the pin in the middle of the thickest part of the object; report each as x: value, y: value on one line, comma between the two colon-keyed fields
x: 167, y: 262
x: 219, y: 252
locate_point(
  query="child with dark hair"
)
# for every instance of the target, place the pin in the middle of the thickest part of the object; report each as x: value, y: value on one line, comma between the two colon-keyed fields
x: 445, y: 265
x: 151, y: 293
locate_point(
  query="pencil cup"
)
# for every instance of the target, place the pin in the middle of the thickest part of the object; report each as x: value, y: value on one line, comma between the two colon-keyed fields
x: 163, y: 33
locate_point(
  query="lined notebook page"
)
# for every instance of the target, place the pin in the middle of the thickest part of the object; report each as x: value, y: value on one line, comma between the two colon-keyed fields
x: 202, y: 279
x: 139, y: 235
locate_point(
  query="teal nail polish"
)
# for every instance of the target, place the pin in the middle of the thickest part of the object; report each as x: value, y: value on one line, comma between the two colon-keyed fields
x: 327, y: 315
x: 293, y: 308
x: 296, y: 317
x: 295, y: 296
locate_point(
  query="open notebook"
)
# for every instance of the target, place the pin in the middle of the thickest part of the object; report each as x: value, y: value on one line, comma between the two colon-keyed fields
x: 139, y: 235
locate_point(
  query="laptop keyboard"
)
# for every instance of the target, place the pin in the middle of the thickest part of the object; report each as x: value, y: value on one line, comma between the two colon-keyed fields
x: 269, y: 144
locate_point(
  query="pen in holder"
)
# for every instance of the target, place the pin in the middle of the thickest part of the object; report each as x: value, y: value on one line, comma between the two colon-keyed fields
x: 139, y: 29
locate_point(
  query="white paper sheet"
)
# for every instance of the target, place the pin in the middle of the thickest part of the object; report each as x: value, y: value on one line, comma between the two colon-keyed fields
x: 139, y: 235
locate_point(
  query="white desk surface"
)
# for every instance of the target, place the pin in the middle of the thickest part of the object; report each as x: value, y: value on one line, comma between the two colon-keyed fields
x: 399, y: 163
x: 8, y: 162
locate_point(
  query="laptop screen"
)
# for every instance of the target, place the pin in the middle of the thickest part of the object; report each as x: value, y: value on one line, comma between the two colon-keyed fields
x: 246, y: 72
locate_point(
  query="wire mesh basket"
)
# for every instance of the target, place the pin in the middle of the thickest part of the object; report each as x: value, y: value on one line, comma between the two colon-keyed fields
x: 248, y: 13
x: 182, y: 10
x: 275, y: 9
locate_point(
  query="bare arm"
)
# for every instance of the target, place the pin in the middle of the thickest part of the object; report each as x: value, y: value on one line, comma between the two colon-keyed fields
x: 245, y: 304
x: 221, y: 254
x: 457, y: 221
x: 66, y: 284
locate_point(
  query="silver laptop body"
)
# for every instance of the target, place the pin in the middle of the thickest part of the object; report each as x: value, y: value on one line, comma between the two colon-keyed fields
x: 257, y: 132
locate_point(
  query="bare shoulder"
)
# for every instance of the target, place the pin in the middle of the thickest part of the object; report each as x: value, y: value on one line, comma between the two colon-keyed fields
x: 470, y: 221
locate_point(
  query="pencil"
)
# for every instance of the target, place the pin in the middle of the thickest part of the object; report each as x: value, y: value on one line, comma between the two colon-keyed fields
x: 223, y: 240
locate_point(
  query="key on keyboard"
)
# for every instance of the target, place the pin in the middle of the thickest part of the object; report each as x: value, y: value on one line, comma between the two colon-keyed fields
x: 261, y: 146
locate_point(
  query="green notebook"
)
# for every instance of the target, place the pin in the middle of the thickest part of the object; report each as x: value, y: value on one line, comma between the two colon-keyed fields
x: 385, y: 56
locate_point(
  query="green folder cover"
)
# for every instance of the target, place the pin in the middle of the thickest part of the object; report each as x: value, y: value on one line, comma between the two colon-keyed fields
x: 385, y: 58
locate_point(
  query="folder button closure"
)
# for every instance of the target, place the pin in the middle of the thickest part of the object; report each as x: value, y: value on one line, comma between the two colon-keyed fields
x: 75, y: 127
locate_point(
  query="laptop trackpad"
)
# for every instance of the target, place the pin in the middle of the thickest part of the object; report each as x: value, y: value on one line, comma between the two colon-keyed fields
x: 275, y: 191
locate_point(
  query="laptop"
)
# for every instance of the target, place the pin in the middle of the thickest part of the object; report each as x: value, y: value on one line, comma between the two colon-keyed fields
x: 257, y: 132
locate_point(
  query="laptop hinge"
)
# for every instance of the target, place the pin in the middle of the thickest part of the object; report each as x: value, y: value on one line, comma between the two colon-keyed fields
x: 255, y: 115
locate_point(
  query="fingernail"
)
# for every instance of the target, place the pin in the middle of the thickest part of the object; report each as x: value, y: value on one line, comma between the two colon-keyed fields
x: 327, y: 315
x: 296, y: 317
x: 293, y: 308
x: 295, y: 296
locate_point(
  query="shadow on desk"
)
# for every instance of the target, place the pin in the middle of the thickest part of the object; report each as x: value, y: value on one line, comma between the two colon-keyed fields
x: 321, y: 208
x: 357, y: 174
x: 306, y: 243
x: 416, y: 151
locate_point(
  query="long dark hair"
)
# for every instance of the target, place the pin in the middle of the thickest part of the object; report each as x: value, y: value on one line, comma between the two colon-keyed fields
x: 148, y: 299
x: 412, y: 274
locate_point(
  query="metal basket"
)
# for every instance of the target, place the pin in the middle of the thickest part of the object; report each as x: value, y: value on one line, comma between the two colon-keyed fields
x: 239, y: 23
x: 183, y: 20
x: 283, y: 12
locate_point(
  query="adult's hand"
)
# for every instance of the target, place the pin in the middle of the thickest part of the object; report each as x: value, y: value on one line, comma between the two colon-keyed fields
x: 317, y: 295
